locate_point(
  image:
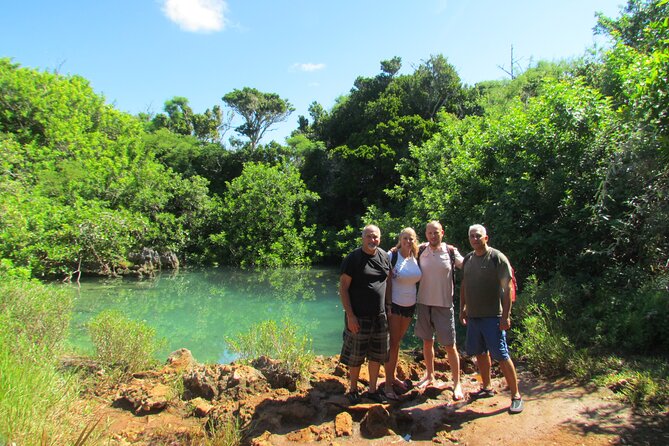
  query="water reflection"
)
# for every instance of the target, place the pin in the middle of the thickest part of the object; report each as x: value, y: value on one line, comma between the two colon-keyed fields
x: 199, y: 309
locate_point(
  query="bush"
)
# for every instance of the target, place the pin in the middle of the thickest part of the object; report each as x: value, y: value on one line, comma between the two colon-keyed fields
x: 542, y: 329
x: 282, y: 342
x: 541, y: 343
x: 122, y: 343
x: 40, y: 313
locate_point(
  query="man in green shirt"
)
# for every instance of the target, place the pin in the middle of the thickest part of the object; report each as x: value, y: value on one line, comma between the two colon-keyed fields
x: 485, y: 308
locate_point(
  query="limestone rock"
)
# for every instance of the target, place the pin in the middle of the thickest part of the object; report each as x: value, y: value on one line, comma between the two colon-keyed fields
x: 343, y: 424
x: 377, y: 422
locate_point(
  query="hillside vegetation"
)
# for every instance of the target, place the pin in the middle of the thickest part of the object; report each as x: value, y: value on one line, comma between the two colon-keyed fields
x: 566, y: 164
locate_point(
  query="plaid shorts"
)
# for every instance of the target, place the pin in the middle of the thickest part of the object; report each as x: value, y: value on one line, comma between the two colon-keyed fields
x: 371, y: 342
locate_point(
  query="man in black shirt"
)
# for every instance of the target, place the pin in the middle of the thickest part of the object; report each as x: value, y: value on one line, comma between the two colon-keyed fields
x: 362, y: 287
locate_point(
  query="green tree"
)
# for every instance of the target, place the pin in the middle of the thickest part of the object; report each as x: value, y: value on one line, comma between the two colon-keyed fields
x: 264, y: 215
x: 259, y: 110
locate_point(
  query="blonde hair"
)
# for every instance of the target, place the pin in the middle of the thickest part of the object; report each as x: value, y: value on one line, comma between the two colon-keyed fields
x: 414, y: 245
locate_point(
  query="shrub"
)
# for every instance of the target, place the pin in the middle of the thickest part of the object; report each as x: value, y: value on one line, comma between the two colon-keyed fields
x: 35, y: 311
x: 122, y: 343
x: 282, y: 342
x: 540, y: 342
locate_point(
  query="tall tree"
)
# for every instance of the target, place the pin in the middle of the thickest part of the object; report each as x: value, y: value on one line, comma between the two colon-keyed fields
x: 259, y: 110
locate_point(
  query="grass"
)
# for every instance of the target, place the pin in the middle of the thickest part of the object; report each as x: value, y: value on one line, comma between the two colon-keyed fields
x: 226, y: 433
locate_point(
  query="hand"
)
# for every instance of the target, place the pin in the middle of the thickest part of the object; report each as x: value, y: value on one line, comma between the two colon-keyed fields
x: 463, y: 316
x: 504, y: 323
x: 352, y: 323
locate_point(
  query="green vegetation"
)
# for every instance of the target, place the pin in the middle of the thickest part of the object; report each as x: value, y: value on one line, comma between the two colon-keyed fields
x: 36, y: 398
x: 567, y: 165
x: 227, y: 433
x: 123, y: 344
x: 280, y: 341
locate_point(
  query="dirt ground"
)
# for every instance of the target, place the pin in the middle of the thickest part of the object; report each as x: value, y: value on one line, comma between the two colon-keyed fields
x: 556, y: 413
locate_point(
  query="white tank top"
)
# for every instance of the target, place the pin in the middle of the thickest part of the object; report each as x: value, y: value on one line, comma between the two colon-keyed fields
x: 405, y: 275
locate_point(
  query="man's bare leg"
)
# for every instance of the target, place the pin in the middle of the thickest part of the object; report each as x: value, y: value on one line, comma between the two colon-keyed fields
x: 454, y: 362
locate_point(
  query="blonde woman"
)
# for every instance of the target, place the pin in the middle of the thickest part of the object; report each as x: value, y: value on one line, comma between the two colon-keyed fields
x: 400, y: 301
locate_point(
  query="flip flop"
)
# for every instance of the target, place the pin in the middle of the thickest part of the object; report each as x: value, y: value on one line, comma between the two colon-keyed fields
x: 401, y: 385
x: 424, y: 383
x: 391, y: 395
x: 483, y: 393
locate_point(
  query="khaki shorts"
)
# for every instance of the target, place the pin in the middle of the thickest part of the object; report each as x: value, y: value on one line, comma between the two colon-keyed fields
x: 435, y: 320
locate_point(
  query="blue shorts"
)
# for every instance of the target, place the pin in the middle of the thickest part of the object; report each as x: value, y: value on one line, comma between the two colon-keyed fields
x: 484, y: 335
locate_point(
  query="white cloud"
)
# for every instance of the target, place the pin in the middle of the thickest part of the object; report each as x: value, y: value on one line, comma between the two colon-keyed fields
x: 196, y: 15
x: 309, y: 66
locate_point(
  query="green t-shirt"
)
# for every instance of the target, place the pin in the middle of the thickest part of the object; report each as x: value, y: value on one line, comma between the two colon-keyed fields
x: 484, y: 280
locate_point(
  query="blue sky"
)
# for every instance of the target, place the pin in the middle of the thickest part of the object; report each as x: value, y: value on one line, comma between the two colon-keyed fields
x: 140, y: 53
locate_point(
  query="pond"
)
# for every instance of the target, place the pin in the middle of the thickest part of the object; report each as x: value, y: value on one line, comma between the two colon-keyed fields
x: 199, y: 309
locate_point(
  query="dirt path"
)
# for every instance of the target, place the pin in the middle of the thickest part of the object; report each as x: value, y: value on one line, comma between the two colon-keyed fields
x: 555, y: 413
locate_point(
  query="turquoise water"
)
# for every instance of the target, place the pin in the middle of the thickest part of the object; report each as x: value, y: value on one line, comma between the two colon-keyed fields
x: 199, y: 309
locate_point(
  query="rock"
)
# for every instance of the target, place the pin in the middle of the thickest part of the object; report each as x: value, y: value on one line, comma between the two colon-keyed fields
x: 305, y: 435
x: 180, y: 360
x: 200, y: 383
x: 340, y: 370
x: 276, y: 374
x: 201, y: 407
x: 328, y: 384
x: 441, y: 365
x: 343, y: 425
x: 169, y: 260
x: 376, y: 423
x: 143, y: 398
x: 263, y: 440
x: 245, y: 380
x: 80, y: 363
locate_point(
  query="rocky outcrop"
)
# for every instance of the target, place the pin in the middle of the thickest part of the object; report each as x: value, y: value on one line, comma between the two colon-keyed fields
x: 149, y: 261
x: 273, y: 406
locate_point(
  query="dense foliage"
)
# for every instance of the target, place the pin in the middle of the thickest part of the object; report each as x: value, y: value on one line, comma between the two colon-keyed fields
x: 566, y: 164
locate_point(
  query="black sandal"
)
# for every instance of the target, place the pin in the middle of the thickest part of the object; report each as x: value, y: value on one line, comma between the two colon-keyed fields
x: 353, y: 397
x: 483, y: 393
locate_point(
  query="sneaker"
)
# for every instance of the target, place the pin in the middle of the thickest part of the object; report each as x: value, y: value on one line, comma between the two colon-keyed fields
x: 516, y: 405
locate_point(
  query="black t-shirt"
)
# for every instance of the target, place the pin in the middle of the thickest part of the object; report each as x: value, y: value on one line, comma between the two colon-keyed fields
x: 368, y: 285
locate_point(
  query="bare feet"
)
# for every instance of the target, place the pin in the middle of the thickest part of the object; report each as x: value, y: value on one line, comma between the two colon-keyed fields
x: 457, y: 393
x: 431, y: 382
x: 400, y: 385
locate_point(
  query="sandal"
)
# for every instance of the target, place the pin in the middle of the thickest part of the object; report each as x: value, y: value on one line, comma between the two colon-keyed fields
x: 483, y: 393
x: 353, y: 397
x: 391, y: 395
x: 402, y: 385
x: 375, y: 396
